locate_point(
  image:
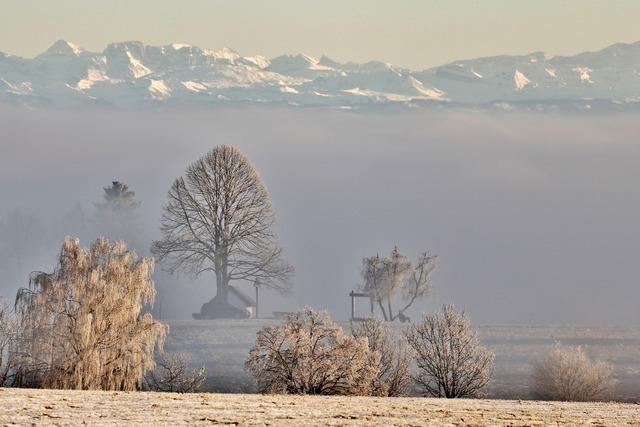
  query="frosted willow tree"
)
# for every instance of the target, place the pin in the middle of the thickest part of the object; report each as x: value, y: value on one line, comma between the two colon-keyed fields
x: 82, y: 326
x: 219, y: 219
x: 385, y: 277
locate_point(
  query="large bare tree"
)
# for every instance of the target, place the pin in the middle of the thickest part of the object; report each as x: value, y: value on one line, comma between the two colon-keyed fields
x: 385, y: 277
x: 219, y: 219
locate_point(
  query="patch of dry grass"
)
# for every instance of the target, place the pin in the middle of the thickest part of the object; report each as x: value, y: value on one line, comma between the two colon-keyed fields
x: 55, y: 407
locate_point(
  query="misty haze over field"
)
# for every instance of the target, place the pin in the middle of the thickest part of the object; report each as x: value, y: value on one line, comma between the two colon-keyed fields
x: 534, y: 217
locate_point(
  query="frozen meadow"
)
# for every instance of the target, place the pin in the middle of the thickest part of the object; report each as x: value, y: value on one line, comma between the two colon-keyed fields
x: 62, y: 408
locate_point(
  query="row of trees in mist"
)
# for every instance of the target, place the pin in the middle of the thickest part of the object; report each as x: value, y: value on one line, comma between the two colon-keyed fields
x: 87, y: 324
x: 218, y: 224
x: 83, y: 326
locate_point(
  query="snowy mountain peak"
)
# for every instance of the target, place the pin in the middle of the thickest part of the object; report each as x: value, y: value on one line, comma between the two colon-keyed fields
x: 62, y: 48
x: 134, y: 75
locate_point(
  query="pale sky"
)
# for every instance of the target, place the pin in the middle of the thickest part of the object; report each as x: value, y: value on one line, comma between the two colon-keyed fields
x: 411, y: 33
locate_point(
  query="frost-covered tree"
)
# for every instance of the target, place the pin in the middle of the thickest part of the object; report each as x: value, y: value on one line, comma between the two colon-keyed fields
x: 219, y: 219
x: 385, y: 277
x: 310, y: 354
x: 393, y: 375
x: 567, y: 373
x: 82, y: 326
x: 451, y: 362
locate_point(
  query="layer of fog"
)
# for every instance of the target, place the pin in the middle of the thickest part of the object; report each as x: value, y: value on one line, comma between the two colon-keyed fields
x: 534, y: 217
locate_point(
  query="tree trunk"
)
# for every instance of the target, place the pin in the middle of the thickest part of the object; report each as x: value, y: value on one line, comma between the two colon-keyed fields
x: 219, y: 307
x: 384, y: 313
x: 222, y: 288
x: 222, y: 280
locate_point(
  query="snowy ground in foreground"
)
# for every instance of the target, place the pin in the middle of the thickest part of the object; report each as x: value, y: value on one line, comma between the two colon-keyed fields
x: 27, y: 407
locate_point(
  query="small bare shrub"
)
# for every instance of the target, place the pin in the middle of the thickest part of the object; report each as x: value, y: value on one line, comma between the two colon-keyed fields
x: 309, y: 354
x: 395, y: 357
x: 82, y: 326
x: 450, y: 360
x: 567, y: 373
x: 172, y: 375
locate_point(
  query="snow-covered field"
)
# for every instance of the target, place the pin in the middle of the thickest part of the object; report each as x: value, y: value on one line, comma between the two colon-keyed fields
x: 54, y: 407
x: 223, y: 345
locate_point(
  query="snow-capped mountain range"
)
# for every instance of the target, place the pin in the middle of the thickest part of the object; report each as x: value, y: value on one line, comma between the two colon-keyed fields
x: 134, y: 75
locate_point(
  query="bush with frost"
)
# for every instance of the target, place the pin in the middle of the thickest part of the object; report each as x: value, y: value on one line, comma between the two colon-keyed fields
x: 450, y: 360
x: 310, y: 354
x: 567, y: 373
x: 393, y: 375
